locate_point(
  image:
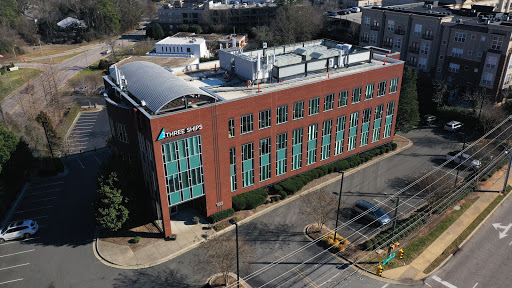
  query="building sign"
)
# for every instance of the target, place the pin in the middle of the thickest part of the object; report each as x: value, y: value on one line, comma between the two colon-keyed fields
x: 165, y: 135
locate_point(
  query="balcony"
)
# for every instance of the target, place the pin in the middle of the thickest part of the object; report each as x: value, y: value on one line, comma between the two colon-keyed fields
x: 375, y: 27
x: 400, y: 31
x: 387, y: 45
x: 414, y: 49
x: 365, y: 39
x: 427, y: 36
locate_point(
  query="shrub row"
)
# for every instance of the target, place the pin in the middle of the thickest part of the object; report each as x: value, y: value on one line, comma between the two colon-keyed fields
x: 221, y: 215
x: 249, y: 200
x: 403, y: 229
x: 294, y: 184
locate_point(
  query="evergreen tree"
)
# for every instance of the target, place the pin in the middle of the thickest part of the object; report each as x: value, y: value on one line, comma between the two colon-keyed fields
x: 408, y: 114
x: 155, y: 32
x: 111, y: 212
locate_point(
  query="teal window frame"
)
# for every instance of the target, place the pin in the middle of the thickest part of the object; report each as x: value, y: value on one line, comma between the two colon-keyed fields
x: 390, y: 110
x: 352, y: 131
x: 368, y: 94
x: 314, y: 106
x: 343, y: 98
x: 365, y: 127
x: 356, y: 95
x: 297, y: 139
x: 329, y: 102
x: 231, y: 127
x: 247, y: 164
x: 340, y: 135
x: 183, y: 169
x: 265, y: 159
x: 281, y: 153
x: 232, y: 168
x: 264, y: 119
x: 282, y: 114
x: 325, y: 151
x: 382, y: 88
x: 377, y: 123
x: 298, y: 110
x: 311, y: 144
x: 393, y: 86
x: 246, y: 124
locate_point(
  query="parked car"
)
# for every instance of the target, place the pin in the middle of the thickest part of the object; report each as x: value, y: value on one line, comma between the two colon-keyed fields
x: 244, y: 5
x: 375, y: 213
x: 19, y: 229
x: 465, y: 159
x: 105, y: 52
x: 81, y: 90
x: 343, y: 12
x: 99, y: 90
x: 355, y: 9
x: 453, y: 126
x: 429, y: 119
x: 332, y: 13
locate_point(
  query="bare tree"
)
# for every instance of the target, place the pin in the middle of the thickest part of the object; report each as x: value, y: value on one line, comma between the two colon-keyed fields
x: 319, y: 206
x: 219, y: 253
x: 440, y: 89
x: 434, y: 186
x: 491, y: 116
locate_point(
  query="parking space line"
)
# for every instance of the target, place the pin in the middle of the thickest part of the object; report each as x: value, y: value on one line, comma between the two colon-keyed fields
x: 7, y: 243
x: 33, y: 209
x: 56, y: 183
x: 80, y: 162
x: 44, y: 199
x: 10, y: 267
x: 357, y: 231
x: 10, y: 281
x: 36, y: 193
x: 84, y: 130
x: 39, y: 217
x: 96, y: 159
x: 32, y: 250
x: 382, y: 203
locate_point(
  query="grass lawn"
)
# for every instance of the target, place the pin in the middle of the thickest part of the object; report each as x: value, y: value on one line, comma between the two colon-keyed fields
x: 35, y: 51
x: 68, y: 119
x: 414, y: 248
x: 15, y: 79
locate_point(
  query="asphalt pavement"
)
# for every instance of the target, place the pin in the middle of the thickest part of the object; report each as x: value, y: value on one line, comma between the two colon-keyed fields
x: 484, y: 259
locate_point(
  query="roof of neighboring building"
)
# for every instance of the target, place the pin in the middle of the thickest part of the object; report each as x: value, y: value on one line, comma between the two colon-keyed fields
x: 473, y: 28
x: 181, y: 40
x: 155, y: 85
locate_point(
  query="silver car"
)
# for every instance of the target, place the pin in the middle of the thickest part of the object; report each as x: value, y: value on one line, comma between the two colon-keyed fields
x: 19, y: 229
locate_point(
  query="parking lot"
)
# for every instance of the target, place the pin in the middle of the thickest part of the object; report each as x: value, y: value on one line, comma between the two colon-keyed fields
x: 90, y: 132
x: 59, y: 206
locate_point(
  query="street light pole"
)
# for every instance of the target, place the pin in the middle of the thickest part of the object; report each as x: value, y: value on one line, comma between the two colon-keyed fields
x: 233, y: 221
x: 339, y: 203
x: 508, y: 172
x: 460, y: 159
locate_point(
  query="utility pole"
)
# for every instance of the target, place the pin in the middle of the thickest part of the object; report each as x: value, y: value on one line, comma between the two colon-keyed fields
x: 233, y: 221
x: 395, y: 217
x: 508, y: 172
x: 460, y: 159
x: 44, y: 122
x: 339, y: 203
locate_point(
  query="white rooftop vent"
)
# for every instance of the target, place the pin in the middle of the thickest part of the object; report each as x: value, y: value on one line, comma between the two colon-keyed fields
x: 142, y: 103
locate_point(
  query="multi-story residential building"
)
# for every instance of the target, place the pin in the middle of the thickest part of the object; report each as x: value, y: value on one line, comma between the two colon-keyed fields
x: 204, y: 134
x: 467, y: 47
x: 241, y: 17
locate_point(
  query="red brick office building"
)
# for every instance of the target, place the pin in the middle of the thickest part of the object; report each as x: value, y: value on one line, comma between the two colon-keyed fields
x: 204, y: 133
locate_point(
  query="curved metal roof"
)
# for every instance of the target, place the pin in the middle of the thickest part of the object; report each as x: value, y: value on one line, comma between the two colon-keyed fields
x: 155, y: 85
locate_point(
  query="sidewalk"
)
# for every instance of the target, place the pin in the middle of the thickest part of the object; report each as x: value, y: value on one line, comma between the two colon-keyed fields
x: 415, y: 269
x: 189, y: 236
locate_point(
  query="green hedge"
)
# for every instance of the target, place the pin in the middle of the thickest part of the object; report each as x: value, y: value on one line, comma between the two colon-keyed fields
x: 403, y: 228
x: 249, y: 200
x: 221, y: 215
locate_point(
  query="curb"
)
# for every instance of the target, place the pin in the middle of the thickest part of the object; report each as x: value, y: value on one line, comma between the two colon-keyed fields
x: 246, y: 220
x: 242, y: 281
x: 365, y: 272
x: 469, y: 236
x: 13, y: 207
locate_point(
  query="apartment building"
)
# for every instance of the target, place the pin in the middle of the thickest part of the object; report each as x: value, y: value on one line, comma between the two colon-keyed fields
x: 467, y: 47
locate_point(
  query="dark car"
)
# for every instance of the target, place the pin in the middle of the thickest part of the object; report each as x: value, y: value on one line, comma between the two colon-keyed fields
x: 429, y: 119
x: 374, y: 212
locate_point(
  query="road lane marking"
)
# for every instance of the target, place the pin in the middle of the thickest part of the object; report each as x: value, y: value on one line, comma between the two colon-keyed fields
x: 56, y: 183
x: 10, y: 267
x: 428, y: 284
x: 387, y: 284
x: 47, y: 191
x: 31, y: 250
x: 33, y: 209
x: 475, y: 285
x: 503, y: 233
x: 305, y: 277
x: 1, y: 283
x: 80, y: 163
x: 443, y: 282
x: 44, y: 199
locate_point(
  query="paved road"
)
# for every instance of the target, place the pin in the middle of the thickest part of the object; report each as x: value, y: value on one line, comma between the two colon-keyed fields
x: 485, y: 259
